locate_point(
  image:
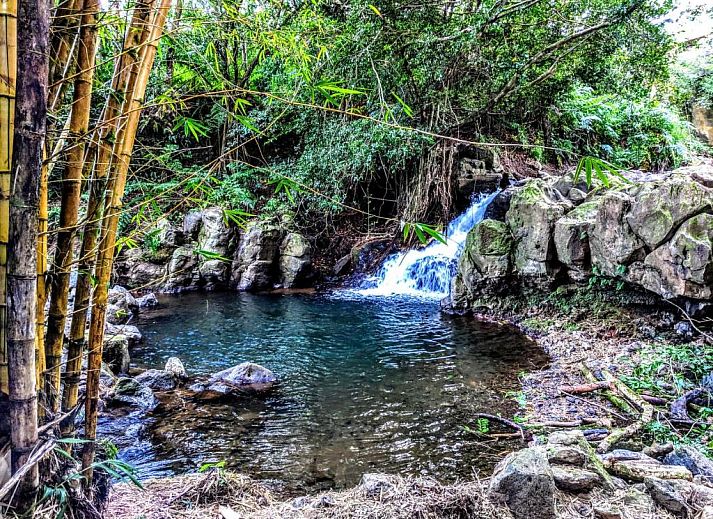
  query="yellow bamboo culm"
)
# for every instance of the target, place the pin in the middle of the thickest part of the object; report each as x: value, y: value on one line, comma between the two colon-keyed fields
x: 8, y: 77
x: 107, y: 243
x: 122, y: 83
x: 71, y: 190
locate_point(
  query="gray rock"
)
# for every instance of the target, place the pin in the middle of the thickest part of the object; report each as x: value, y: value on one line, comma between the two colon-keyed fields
x: 168, y: 235
x: 255, y: 264
x: 613, y: 244
x: 295, y: 261
x: 216, y: 237
x: 182, y: 271
x: 524, y: 481
x: 574, y: 479
x: 571, y: 237
x: 485, y: 262
x: 679, y: 496
x: 192, y: 225
x: 176, y: 368
x: 684, y: 265
x: 243, y: 376
x: 531, y: 218
x: 116, y: 353
x: 691, y: 458
x: 577, y: 196
x: 567, y: 438
x: 121, y: 298
x: 128, y: 391
x: 566, y: 455
x: 661, y: 207
x: 148, y: 301
x: 158, y: 380
x: 136, y: 269
x: 611, y: 457
x: 131, y: 332
x: 374, y: 485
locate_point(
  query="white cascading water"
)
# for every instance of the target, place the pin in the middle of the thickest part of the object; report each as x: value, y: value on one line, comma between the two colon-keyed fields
x: 427, y: 272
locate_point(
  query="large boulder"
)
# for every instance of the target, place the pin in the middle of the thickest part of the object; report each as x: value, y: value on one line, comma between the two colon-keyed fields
x: 484, y: 263
x: 217, y: 238
x: 531, y: 218
x: 659, y: 208
x: 571, y: 237
x: 612, y: 242
x: 122, y: 299
x: 182, y: 273
x: 295, y: 260
x: 137, y: 269
x: 255, y: 264
x: 524, y: 481
x: 241, y: 377
x: 682, y: 266
x: 116, y: 353
x: 192, y: 223
x: 168, y: 235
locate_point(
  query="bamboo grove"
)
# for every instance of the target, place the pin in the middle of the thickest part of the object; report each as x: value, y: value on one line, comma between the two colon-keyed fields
x: 48, y: 59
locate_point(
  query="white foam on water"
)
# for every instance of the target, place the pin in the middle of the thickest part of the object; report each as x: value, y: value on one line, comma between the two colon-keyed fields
x: 426, y: 272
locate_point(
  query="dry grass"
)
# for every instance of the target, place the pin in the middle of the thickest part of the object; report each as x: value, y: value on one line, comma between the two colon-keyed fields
x: 379, y: 496
x: 392, y: 497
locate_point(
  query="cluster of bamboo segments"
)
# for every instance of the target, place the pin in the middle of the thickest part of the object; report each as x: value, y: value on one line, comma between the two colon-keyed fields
x: 123, y: 148
x: 123, y: 82
x: 69, y: 209
x: 8, y: 74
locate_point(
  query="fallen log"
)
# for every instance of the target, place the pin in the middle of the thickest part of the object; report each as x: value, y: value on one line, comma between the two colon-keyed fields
x: 580, y: 389
x: 611, y: 395
x: 647, y: 414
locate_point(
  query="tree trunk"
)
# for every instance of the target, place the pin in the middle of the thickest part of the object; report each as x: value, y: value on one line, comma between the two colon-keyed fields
x: 30, y: 128
x: 8, y: 75
x: 136, y: 36
x: 69, y: 210
x: 105, y: 257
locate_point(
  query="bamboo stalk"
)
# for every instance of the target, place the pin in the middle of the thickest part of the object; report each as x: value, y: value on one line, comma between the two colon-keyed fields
x: 30, y: 127
x: 8, y: 76
x: 64, y: 31
x: 136, y: 36
x: 69, y: 209
x: 107, y: 243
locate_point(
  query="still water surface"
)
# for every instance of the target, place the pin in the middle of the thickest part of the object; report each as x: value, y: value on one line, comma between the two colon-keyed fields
x: 366, y: 384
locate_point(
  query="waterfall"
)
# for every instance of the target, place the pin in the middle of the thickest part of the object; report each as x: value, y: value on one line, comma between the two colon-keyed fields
x: 427, y: 272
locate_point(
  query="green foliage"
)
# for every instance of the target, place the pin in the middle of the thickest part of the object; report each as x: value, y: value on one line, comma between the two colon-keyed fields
x: 633, y: 133
x: 665, y: 367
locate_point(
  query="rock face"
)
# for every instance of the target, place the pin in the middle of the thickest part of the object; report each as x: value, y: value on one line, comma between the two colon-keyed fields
x: 657, y: 235
x: 524, y: 481
x: 243, y: 376
x: 295, y: 260
x: 208, y: 251
x: 255, y: 264
x: 531, y: 218
x: 485, y: 262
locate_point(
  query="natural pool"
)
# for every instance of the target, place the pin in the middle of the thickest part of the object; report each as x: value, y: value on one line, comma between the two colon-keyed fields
x: 366, y: 384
